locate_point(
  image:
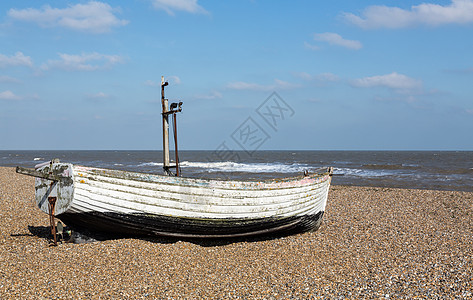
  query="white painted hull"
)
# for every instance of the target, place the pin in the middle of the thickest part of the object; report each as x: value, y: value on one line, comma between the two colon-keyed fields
x: 137, y: 203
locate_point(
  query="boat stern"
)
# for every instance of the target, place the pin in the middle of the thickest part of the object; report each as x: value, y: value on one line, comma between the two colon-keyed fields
x: 53, y: 181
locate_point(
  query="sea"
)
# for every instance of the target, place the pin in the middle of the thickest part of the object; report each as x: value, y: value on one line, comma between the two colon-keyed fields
x: 437, y: 170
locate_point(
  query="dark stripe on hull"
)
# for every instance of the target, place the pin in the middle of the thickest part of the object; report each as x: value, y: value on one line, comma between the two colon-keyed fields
x: 141, y: 224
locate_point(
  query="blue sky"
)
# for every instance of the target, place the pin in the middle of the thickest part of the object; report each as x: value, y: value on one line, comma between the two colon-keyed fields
x: 308, y: 75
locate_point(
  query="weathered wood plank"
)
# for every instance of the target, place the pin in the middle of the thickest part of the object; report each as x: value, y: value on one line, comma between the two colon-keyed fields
x: 54, y: 176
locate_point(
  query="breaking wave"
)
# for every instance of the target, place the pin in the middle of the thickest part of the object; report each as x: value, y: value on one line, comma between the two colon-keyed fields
x: 229, y: 166
x: 150, y: 164
x: 361, y: 172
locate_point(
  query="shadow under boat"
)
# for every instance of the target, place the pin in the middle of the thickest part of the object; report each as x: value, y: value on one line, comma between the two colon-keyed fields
x: 81, y: 235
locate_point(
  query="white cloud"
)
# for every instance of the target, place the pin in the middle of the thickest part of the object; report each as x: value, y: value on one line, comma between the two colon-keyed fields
x: 8, y: 79
x: 240, y: 85
x: 83, y: 62
x: 94, y: 17
x: 278, y: 85
x: 337, y: 40
x: 99, y: 95
x: 324, y: 77
x: 457, y: 12
x: 170, y: 6
x: 19, y: 59
x: 9, y: 95
x: 311, y: 47
x: 396, y: 81
x: 174, y: 79
x: 303, y: 75
x: 211, y: 96
x: 150, y: 83
x: 327, y: 77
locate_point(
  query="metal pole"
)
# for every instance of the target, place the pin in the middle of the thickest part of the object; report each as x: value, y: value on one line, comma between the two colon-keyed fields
x: 164, y: 103
x: 175, y: 143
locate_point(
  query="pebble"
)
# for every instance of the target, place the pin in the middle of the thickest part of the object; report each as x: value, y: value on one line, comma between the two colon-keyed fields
x: 374, y: 243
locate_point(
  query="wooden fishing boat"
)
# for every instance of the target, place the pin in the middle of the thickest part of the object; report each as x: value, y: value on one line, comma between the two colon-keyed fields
x: 117, y: 201
x: 137, y: 203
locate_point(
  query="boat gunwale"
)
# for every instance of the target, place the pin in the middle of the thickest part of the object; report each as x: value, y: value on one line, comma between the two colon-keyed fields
x: 182, y: 181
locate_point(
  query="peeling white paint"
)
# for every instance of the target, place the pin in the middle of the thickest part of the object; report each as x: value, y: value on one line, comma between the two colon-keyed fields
x: 121, y: 192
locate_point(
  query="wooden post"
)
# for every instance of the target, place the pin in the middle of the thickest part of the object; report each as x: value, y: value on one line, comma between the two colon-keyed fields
x: 164, y: 102
x: 52, y: 204
x: 174, y: 115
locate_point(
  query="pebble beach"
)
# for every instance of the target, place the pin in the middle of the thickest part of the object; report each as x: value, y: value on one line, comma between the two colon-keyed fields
x: 374, y: 243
